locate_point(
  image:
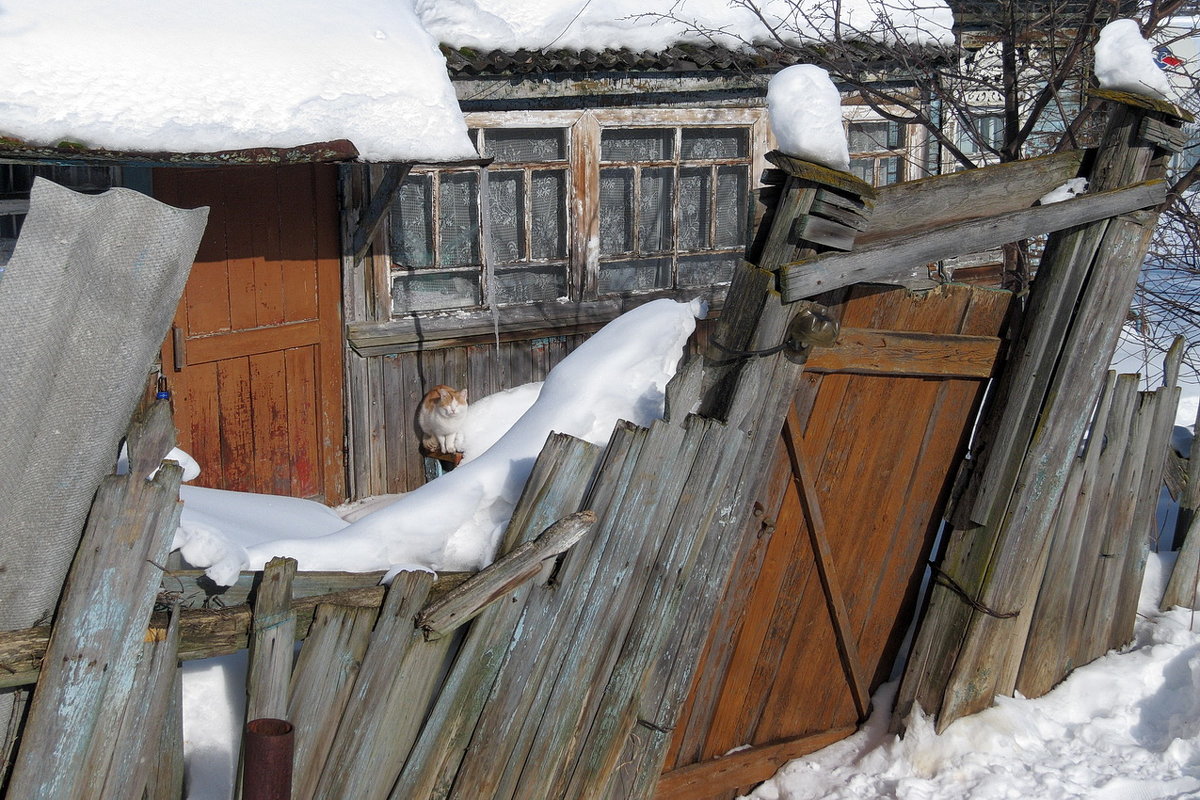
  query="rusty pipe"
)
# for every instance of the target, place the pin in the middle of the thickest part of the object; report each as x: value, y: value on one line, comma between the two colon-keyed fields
x: 267, y: 767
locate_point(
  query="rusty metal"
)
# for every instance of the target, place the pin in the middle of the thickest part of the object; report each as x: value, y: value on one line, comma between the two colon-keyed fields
x: 267, y: 768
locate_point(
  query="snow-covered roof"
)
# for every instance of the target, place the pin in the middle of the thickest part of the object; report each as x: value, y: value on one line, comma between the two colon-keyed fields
x: 641, y: 25
x: 173, y: 77
x: 157, y: 75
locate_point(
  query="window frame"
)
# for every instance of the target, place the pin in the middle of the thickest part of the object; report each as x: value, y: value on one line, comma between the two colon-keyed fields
x: 908, y: 151
x: 371, y: 320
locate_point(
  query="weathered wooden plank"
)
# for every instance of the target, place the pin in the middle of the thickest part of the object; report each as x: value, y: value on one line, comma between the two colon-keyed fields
x: 1189, y: 498
x: 101, y: 617
x: 555, y: 487
x: 388, y: 700
x: 969, y: 194
x: 138, y: 738
x: 502, y: 740
x: 272, y: 635
x: 883, y: 352
x: 324, y: 676
x: 895, y: 259
x: 829, y: 233
x: 744, y: 767
x: 503, y: 576
x: 166, y: 777
x: 1183, y: 588
x: 1085, y: 359
x: 816, y: 173
x: 631, y: 537
x: 654, y: 631
x: 1048, y: 656
x: 1165, y: 135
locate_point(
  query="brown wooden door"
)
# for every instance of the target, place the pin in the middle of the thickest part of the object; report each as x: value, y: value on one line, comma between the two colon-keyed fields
x: 254, y: 361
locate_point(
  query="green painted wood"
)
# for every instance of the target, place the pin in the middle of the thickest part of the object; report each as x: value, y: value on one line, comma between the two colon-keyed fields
x: 101, y: 620
x: 272, y: 636
x: 325, y: 673
x: 388, y: 701
x: 556, y: 486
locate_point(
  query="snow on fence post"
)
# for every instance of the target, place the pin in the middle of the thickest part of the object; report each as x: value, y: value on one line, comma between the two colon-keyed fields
x: 970, y: 641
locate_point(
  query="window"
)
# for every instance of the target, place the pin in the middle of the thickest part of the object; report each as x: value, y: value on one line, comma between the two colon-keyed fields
x: 666, y: 207
x: 16, y: 180
x: 673, y: 207
x: 983, y: 135
x: 438, y: 227
x: 877, y: 151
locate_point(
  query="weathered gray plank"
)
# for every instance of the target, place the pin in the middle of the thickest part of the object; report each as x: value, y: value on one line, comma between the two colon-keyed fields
x: 165, y: 781
x: 502, y: 741
x: 271, y: 643
x: 325, y: 673
x: 503, y: 576
x: 1183, y: 588
x: 138, y: 738
x: 556, y: 486
x: 388, y: 700
x: 896, y: 259
x: 970, y: 194
x: 101, y: 621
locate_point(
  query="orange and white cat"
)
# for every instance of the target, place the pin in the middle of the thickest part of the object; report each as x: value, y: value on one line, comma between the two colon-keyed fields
x: 441, y: 417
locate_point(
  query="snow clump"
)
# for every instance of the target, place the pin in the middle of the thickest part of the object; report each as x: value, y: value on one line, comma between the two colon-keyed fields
x: 805, y: 110
x: 1125, y: 61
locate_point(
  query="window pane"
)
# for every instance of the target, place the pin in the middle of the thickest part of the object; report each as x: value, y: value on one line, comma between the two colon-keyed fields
x: 411, y: 225
x: 506, y: 191
x: 616, y: 211
x: 458, y: 219
x: 706, y: 270
x: 715, y: 143
x: 694, y: 195
x: 863, y: 169
x: 654, y: 210
x: 533, y: 285
x: 649, y: 144
x: 521, y: 145
x: 548, y: 216
x: 425, y: 291
x: 632, y: 276
x: 731, y: 207
x: 868, y: 137
x: 892, y: 169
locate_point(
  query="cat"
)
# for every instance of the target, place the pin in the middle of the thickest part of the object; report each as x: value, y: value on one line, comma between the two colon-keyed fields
x: 440, y: 419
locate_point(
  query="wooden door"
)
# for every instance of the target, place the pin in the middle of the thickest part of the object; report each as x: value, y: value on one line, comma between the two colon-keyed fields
x: 254, y: 360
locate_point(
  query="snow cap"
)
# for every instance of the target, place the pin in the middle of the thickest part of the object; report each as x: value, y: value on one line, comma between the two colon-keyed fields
x: 1125, y: 61
x: 805, y: 110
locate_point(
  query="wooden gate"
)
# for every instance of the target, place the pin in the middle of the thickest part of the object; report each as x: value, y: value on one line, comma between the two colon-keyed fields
x: 819, y: 600
x: 255, y: 356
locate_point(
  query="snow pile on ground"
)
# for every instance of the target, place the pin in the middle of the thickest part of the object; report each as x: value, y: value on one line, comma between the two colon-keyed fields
x: 227, y: 74
x: 805, y: 112
x: 454, y: 522
x: 659, y: 24
x: 1125, y: 61
x: 1126, y: 727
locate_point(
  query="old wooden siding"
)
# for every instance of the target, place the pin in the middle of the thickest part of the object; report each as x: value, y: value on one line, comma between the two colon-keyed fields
x: 881, y: 450
x: 255, y: 359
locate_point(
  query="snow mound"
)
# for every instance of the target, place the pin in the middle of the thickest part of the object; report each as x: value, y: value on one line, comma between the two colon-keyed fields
x: 805, y: 111
x: 1125, y: 61
x: 1072, y: 188
x: 455, y: 522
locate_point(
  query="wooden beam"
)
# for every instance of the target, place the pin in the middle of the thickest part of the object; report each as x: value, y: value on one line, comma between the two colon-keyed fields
x: 744, y: 767
x: 381, y: 201
x: 865, y: 351
x: 831, y: 584
x: 896, y: 259
x: 969, y: 194
x: 503, y: 576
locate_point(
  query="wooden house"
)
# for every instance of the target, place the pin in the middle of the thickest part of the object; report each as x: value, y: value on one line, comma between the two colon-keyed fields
x: 329, y: 294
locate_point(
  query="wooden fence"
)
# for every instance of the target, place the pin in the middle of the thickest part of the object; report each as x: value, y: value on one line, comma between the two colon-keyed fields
x: 728, y: 575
